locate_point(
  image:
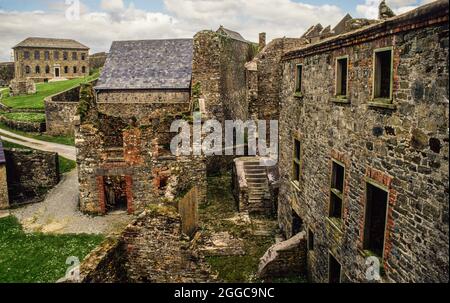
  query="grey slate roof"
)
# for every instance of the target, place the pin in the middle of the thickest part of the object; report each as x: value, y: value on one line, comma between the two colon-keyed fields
x: 51, y: 43
x: 148, y: 64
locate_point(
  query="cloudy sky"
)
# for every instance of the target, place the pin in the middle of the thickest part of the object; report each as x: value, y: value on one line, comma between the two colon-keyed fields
x: 98, y: 22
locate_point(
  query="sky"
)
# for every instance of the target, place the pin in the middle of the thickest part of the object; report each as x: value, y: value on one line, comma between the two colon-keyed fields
x: 96, y: 23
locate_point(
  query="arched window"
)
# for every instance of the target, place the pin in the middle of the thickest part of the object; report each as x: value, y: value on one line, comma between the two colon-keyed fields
x: 83, y: 69
x: 74, y: 69
x: 66, y: 69
x: 27, y: 69
x: 47, y: 69
x: 38, y: 69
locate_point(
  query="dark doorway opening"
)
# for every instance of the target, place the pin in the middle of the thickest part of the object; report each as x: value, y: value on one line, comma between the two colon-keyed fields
x: 115, y: 193
x: 57, y: 72
x: 375, y: 220
x: 297, y: 223
x: 334, y: 275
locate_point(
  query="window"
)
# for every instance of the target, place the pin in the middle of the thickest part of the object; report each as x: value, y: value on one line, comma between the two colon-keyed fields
x: 298, y: 78
x: 27, y: 69
x: 37, y: 55
x: 334, y: 272
x: 74, y: 56
x: 74, y: 69
x: 296, y: 162
x: 38, y: 69
x: 297, y: 223
x: 47, y: 69
x: 337, y: 190
x: 341, y: 77
x: 83, y: 56
x: 83, y: 69
x: 47, y: 55
x: 26, y: 55
x: 310, y: 240
x: 66, y: 69
x: 375, y: 218
x: 56, y: 55
x: 383, y: 78
x: 65, y: 56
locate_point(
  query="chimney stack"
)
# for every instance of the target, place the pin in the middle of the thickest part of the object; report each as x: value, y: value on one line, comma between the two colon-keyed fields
x: 262, y: 40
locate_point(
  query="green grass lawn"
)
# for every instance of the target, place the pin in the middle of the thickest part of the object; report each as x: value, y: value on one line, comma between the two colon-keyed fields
x: 66, y: 140
x: 44, y: 90
x: 25, y: 117
x: 36, y: 257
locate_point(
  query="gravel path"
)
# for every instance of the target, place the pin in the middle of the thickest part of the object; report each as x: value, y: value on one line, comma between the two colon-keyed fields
x: 59, y: 213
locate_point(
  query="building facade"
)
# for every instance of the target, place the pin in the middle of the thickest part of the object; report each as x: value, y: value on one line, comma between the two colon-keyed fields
x: 43, y: 59
x: 364, y: 150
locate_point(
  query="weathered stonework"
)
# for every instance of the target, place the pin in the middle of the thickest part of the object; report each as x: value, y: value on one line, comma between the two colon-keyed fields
x: 22, y: 87
x: 34, y: 127
x: 403, y: 147
x: 6, y: 73
x: 30, y: 174
x: 4, y: 198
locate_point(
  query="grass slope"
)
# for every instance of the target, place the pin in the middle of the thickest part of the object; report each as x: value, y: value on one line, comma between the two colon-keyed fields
x: 44, y: 90
x: 25, y: 117
x: 36, y: 257
x: 66, y: 140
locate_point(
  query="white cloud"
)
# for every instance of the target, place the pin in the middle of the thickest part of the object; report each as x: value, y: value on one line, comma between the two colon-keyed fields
x: 183, y: 18
x: 370, y: 8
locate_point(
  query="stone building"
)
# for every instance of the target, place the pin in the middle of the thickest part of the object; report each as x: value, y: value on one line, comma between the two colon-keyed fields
x: 123, y: 136
x: 364, y: 149
x: 44, y: 59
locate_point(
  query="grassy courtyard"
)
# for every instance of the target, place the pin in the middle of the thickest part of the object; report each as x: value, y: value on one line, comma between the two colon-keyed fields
x: 36, y: 101
x: 66, y: 140
x: 35, y: 257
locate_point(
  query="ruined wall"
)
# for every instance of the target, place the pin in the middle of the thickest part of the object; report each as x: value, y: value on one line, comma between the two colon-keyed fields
x: 136, y: 256
x: 30, y: 174
x: 404, y: 149
x: 4, y: 199
x: 97, y: 60
x: 6, y: 73
x: 133, y: 140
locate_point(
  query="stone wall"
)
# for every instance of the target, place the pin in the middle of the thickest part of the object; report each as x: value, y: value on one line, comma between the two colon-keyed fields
x: 403, y: 148
x: 34, y: 127
x: 60, y: 112
x: 136, y: 256
x: 30, y: 174
x: 6, y: 73
x: 4, y: 199
x: 97, y: 60
x: 122, y: 138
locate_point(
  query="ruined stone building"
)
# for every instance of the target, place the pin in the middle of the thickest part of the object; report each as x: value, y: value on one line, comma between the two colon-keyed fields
x: 123, y: 136
x: 43, y: 59
x: 364, y: 149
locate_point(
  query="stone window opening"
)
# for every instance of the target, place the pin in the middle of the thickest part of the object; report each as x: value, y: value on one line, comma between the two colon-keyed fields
x: 298, y: 79
x: 37, y: 55
x: 310, y: 240
x: 66, y: 69
x: 74, y: 56
x: 56, y: 55
x: 115, y: 193
x: 163, y: 182
x: 83, y: 56
x: 47, y: 69
x: 297, y: 223
x: 337, y: 190
x: 65, y: 56
x: 342, y: 77
x: 83, y: 69
x: 383, y: 75
x: 375, y: 218
x: 26, y: 55
x: 38, y: 69
x: 334, y: 269
x: 296, y: 173
x: 74, y: 69
x: 27, y: 69
x: 47, y: 55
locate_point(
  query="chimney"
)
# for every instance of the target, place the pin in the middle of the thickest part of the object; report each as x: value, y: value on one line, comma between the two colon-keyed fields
x: 262, y: 40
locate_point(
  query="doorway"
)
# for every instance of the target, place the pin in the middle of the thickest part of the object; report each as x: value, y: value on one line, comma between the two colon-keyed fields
x: 115, y: 193
x: 56, y: 72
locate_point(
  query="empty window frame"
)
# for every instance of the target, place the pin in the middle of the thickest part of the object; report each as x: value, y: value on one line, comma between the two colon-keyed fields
x: 83, y: 56
x: 337, y: 189
x: 74, y: 56
x: 83, y: 69
x: 296, y: 162
x: 334, y: 269
x: 65, y: 56
x: 375, y: 218
x: 47, y: 55
x: 38, y: 69
x: 298, y: 78
x: 383, y: 74
x: 75, y: 70
x: 56, y: 55
x: 342, y: 77
x: 27, y: 69
x: 66, y: 69
x: 47, y: 69
x: 297, y: 223
x: 310, y: 240
x: 26, y: 55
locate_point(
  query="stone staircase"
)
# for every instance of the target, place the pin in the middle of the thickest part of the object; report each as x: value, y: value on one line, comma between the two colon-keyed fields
x: 258, y: 186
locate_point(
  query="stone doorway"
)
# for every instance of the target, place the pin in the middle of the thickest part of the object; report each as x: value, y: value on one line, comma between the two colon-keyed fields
x: 57, y: 72
x: 115, y: 193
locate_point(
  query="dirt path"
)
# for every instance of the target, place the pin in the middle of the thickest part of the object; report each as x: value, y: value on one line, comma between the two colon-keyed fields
x: 66, y: 151
x: 59, y: 213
